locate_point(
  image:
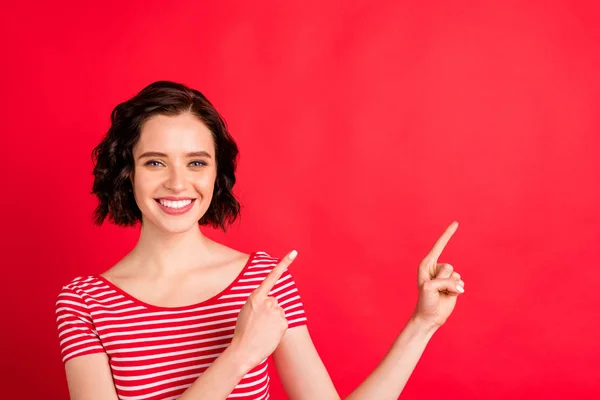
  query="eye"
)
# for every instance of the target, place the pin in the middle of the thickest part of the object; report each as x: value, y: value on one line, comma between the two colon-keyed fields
x: 153, y: 163
x: 197, y: 163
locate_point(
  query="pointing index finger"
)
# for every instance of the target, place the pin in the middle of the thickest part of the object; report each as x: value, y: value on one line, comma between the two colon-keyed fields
x: 441, y: 243
x: 269, y: 282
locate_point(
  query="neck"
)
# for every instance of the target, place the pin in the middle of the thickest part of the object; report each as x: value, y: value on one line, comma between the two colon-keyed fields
x: 163, y: 254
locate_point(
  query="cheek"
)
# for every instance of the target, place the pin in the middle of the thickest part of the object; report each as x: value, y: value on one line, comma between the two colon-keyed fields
x: 144, y: 184
x: 205, y: 182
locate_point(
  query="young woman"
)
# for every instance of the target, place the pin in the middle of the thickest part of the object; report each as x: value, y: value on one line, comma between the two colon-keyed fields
x: 183, y: 317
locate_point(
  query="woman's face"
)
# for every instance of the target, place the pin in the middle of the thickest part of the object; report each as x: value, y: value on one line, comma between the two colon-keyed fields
x: 174, y: 171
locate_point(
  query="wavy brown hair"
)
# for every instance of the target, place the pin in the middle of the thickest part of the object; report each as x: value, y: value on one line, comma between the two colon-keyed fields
x: 113, y: 156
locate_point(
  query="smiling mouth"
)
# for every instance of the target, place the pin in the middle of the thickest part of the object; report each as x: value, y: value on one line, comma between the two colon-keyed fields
x: 175, y: 204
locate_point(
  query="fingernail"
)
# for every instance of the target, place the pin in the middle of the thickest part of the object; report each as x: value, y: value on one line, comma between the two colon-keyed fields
x: 293, y: 254
x: 460, y: 288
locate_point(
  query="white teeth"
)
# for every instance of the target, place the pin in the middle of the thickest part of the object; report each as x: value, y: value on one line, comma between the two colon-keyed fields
x: 175, y: 204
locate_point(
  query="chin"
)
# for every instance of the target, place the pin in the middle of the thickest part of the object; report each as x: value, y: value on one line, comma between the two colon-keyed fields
x: 178, y: 227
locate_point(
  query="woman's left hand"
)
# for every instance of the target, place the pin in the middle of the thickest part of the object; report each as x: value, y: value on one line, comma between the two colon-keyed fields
x: 439, y: 285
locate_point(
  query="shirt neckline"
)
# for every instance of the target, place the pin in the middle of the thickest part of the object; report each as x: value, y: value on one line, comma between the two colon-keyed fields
x: 203, y: 303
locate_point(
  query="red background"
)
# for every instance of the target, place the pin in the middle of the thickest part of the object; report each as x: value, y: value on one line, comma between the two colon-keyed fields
x: 365, y: 128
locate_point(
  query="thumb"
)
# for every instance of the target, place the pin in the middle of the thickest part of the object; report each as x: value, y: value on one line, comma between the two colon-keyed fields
x: 441, y: 285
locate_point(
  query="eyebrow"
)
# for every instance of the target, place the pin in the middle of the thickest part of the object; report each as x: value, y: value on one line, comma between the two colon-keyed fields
x: 192, y: 154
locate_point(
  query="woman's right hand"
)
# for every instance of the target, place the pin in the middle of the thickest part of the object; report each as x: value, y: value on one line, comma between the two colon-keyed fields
x: 261, y: 322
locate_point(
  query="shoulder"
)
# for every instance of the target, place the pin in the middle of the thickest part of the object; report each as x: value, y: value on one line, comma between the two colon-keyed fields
x: 71, y: 300
x: 264, y: 256
x: 76, y: 290
x: 262, y: 260
x: 79, y: 283
x: 261, y: 263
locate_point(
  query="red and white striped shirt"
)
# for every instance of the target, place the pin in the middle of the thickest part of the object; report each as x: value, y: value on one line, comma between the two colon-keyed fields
x: 158, y: 352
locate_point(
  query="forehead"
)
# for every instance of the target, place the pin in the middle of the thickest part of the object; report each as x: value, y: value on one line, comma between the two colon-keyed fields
x: 174, y: 134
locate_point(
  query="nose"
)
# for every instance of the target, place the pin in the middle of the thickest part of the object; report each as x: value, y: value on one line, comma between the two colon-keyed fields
x: 175, y: 180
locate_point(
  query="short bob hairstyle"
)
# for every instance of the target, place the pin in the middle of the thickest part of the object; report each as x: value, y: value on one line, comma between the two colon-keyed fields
x: 113, y: 156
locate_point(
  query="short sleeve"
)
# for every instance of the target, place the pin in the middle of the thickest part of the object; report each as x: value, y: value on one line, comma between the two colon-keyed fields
x: 288, y: 298
x: 76, y: 332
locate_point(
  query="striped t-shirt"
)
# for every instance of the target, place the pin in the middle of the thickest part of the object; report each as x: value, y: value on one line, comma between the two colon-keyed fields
x: 158, y: 352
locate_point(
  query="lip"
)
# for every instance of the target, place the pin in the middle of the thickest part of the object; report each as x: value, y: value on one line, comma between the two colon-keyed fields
x: 176, y: 211
x: 173, y: 198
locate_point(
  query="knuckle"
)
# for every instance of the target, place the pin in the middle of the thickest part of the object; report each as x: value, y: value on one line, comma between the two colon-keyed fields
x: 254, y: 302
x: 271, y: 301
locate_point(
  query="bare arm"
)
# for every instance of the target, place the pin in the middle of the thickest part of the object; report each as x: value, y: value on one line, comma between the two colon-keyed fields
x: 389, y: 378
x: 89, y: 377
x: 304, y: 376
x: 300, y: 369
